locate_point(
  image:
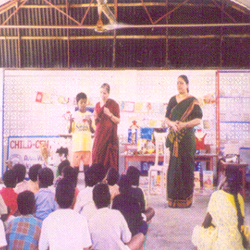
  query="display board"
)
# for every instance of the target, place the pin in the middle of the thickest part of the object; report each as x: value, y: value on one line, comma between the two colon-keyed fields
x: 233, y: 107
x: 1, y: 117
x: 30, y: 150
x: 36, y: 101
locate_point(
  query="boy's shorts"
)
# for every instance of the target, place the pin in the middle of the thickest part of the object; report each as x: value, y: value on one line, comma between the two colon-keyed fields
x: 84, y: 156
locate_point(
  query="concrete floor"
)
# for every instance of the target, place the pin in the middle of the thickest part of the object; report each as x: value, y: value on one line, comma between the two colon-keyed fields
x: 171, y: 228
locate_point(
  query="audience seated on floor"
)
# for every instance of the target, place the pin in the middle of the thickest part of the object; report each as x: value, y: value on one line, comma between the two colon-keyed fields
x: 108, y: 227
x: 65, y: 228
x: 33, y: 175
x: 129, y: 207
x: 84, y: 202
x: 45, y: 198
x: 133, y: 175
x: 23, y: 231
x: 111, y: 179
x: 8, y: 193
x: 22, y: 184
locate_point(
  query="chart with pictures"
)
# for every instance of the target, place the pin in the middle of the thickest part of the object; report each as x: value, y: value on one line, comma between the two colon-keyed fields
x: 36, y: 103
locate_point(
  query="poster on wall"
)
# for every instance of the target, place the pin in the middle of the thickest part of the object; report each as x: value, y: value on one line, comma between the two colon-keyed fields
x: 30, y: 150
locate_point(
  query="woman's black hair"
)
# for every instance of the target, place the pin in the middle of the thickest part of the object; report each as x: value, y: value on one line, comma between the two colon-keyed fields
x: 185, y: 78
x: 233, y: 177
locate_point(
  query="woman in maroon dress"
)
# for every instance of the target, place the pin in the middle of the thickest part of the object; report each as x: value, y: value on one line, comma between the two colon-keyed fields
x: 107, y: 117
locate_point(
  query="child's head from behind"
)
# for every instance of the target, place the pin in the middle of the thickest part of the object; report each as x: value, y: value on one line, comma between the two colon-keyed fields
x: 91, y: 177
x: 124, y: 185
x: 70, y: 174
x: 45, y: 177
x: 26, y: 202
x: 10, y: 179
x: 33, y: 171
x: 81, y: 100
x: 94, y: 174
x: 133, y: 175
x: 101, y: 195
x: 65, y: 192
x: 62, y: 165
x: 20, y: 171
x: 112, y: 177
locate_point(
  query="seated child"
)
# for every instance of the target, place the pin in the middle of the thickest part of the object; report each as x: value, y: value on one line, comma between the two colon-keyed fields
x: 108, y: 227
x: 23, y: 232
x: 45, y: 198
x: 63, y: 154
x: 84, y: 201
x: 65, y: 228
x: 70, y: 174
x: 22, y: 184
x: 60, y: 168
x: 133, y: 175
x: 8, y: 193
x: 112, y: 179
x: 33, y: 174
x: 129, y: 207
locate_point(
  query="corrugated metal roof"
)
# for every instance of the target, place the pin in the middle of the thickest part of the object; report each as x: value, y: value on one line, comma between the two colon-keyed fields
x: 243, y: 3
x: 56, y: 46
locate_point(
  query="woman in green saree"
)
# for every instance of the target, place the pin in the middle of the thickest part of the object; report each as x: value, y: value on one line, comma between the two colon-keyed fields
x: 183, y: 113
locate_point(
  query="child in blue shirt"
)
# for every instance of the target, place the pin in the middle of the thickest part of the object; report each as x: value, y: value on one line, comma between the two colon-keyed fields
x: 45, y: 198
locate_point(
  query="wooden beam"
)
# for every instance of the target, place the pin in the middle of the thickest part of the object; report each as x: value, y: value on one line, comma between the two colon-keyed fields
x: 121, y: 37
x: 127, y: 26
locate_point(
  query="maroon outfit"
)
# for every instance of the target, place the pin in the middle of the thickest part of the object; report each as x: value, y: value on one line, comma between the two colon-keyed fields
x: 105, y: 147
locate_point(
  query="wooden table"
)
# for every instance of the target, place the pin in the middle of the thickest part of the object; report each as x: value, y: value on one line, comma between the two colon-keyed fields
x: 151, y: 157
x: 242, y: 166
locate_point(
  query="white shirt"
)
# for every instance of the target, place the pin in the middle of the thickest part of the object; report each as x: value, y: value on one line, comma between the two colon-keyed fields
x: 3, y: 241
x: 64, y: 229
x: 85, y: 204
x: 3, y: 207
x: 109, y: 230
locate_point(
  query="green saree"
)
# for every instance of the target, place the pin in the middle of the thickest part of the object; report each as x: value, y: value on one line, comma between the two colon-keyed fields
x: 180, y: 178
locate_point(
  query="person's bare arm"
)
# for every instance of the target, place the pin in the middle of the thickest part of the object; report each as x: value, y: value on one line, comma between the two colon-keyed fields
x: 112, y: 117
x: 207, y: 221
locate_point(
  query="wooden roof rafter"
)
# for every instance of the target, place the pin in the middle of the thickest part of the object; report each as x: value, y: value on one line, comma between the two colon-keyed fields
x: 143, y: 4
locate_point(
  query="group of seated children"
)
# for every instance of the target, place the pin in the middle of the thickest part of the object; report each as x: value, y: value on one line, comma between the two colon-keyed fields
x: 109, y: 213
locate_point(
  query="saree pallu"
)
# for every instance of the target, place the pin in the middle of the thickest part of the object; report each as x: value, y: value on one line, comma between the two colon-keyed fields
x: 105, y: 146
x: 180, y: 178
